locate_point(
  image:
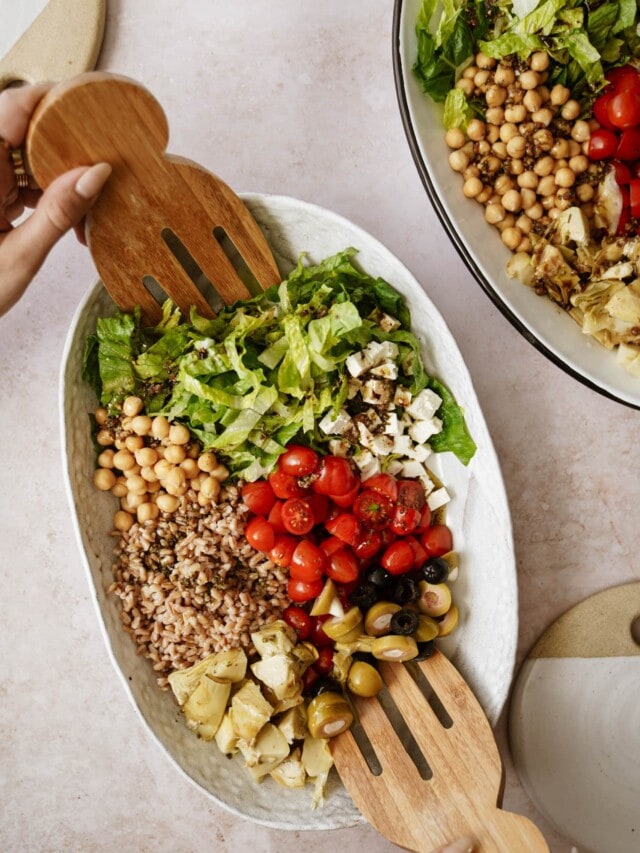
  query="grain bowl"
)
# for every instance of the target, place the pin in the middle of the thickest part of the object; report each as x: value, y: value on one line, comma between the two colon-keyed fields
x: 484, y: 645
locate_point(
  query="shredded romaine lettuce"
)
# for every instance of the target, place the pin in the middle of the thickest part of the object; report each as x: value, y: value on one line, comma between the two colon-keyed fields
x: 265, y: 370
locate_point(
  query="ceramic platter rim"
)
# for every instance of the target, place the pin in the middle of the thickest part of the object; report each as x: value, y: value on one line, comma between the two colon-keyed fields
x: 538, y: 327
x: 485, y: 647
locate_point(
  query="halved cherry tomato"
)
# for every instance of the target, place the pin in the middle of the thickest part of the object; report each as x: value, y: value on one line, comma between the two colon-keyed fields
x: 629, y: 145
x: 331, y: 545
x: 603, y: 144
x: 318, y: 636
x: 308, y: 562
x: 299, y: 590
x: 411, y: 493
x: 346, y: 527
x: 324, y: 664
x: 311, y: 675
x: 299, y: 620
x: 623, y: 172
x: 419, y: 552
x: 437, y: 540
x: 260, y: 534
x: 600, y: 112
x: 319, y: 506
x: 297, y: 516
x: 275, y: 517
x: 298, y: 461
x: 398, y: 558
x: 348, y: 499
x: 368, y: 545
x: 336, y: 476
x: 373, y: 509
x: 282, y: 551
x: 383, y: 483
x: 425, y: 520
x: 285, y: 486
x: 343, y: 566
x: 259, y: 497
x: 623, y: 109
x: 623, y: 78
x: 405, y: 519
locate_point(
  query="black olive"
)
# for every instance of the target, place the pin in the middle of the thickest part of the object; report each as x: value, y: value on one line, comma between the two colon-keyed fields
x: 405, y: 590
x: 379, y: 576
x: 404, y: 622
x: 365, y: 595
x: 325, y: 685
x: 436, y: 570
x: 425, y: 650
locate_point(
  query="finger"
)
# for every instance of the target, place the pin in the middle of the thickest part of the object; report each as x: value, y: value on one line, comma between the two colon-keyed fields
x: 462, y: 845
x: 16, y: 108
x: 60, y: 208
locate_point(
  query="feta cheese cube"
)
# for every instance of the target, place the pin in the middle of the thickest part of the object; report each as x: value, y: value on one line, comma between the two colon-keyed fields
x: 376, y: 392
x: 421, y: 452
x: 358, y: 363
x: 424, y: 406
x: 353, y: 386
x: 382, y: 445
x: 335, y: 426
x: 402, y: 396
x: 401, y: 444
x: 389, y: 351
x: 391, y: 424
x: 387, y: 370
x: 339, y: 447
x: 394, y: 467
x: 365, y: 437
x: 371, y: 469
x: 388, y: 323
x: 363, y: 458
x: 438, y: 498
x: 421, y: 431
x: 412, y: 469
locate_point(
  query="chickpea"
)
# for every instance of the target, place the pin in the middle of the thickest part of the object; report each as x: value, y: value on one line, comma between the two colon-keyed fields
x: 167, y: 503
x: 532, y: 100
x: 481, y: 79
x: 543, y: 139
x: 500, y: 150
x: 516, y: 166
x: 543, y: 91
x: 193, y: 450
x: 471, y: 171
x: 476, y: 129
x: 105, y: 459
x: 503, y: 184
x: 571, y: 110
x: 559, y: 95
x: 472, y: 187
x: 104, y: 479
x: 524, y: 224
x: 101, y: 416
x: 147, y: 512
x: 147, y: 472
x: 162, y: 468
x: 160, y: 427
x: 458, y: 161
x: 131, y: 502
x: 579, y: 164
x: 539, y: 61
x: 146, y: 456
x: 511, y: 237
x: 528, y: 197
x: 141, y: 425
x: 563, y: 202
x: 132, y: 406
x: 179, y: 434
x: 495, y: 96
x: 122, y: 521
x: 207, y: 461
x: 174, y: 454
x: 507, y: 131
x: 508, y: 222
x: 585, y: 192
x: 123, y: 460
x: 494, y: 213
x: 524, y: 245
x: 504, y: 75
x: 580, y: 131
x: 495, y: 115
x: 516, y: 146
x: 496, y: 198
x: 535, y: 212
x: 493, y: 133
x: 529, y: 79
x: 492, y: 164
x: 120, y: 489
x: 560, y: 149
x: 152, y: 488
x: 105, y: 437
x: 220, y: 472
x: 466, y: 85
x: 544, y: 166
x: 176, y: 478
x: 137, y: 485
x: 587, y: 209
x: 528, y: 179
x: 483, y: 147
x: 484, y: 61
x: 210, y: 488
x: 190, y: 468
x: 543, y: 116
x: 469, y: 149
x: 125, y: 423
x: 134, y: 442
x: 484, y: 196
x: 470, y: 72
x: 547, y: 185
x: 515, y: 113
x: 134, y: 471
x: 585, y: 148
x: 512, y: 201
x: 565, y: 177
x: 548, y: 202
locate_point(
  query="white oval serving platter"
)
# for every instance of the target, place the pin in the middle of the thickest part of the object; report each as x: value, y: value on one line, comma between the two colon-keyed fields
x: 483, y: 646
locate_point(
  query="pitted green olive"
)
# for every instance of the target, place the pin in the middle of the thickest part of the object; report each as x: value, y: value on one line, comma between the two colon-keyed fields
x: 378, y: 618
x: 428, y: 629
x: 364, y: 679
x: 448, y: 622
x: 328, y: 715
x: 394, y: 647
x: 341, y: 627
x: 435, y: 598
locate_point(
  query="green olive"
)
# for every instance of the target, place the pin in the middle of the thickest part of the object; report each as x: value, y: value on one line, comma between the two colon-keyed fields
x: 364, y: 679
x: 341, y: 626
x: 449, y: 621
x: 327, y: 598
x: 428, y: 629
x: 361, y: 643
x: 378, y: 618
x: 328, y: 715
x: 394, y: 647
x: 435, y: 598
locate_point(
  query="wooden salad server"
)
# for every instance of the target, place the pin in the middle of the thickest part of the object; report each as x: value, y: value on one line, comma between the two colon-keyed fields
x: 152, y: 202
x: 432, y: 782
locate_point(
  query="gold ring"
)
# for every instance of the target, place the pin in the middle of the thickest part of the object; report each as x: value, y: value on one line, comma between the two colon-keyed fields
x: 17, y: 163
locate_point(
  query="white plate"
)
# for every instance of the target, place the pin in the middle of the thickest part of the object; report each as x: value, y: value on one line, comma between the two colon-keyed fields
x: 542, y: 323
x: 484, y: 644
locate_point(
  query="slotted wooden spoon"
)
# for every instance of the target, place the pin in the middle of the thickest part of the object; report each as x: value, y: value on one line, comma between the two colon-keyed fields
x: 465, y: 788
x: 150, y: 199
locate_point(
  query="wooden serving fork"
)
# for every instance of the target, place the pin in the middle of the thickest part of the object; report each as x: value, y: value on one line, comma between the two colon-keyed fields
x: 156, y: 210
x: 426, y: 771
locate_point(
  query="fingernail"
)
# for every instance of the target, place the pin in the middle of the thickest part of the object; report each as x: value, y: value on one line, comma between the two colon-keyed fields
x: 91, y: 182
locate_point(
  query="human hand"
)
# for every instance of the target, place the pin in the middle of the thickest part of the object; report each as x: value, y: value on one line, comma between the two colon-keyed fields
x: 61, y: 207
x: 462, y: 845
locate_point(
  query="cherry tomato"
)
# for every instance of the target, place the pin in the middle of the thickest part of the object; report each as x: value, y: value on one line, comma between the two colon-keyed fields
x: 336, y: 476
x: 411, y: 493
x: 297, y: 516
x: 373, y: 509
x: 603, y: 144
x: 343, y: 566
x: 318, y: 636
x: 405, y: 519
x: 388, y: 536
x: 383, y: 483
x: 425, y: 520
x: 260, y: 534
x: 299, y: 590
x: 629, y: 145
x: 331, y: 545
x: 308, y: 562
x: 298, y: 461
x: 623, y: 109
x: 346, y: 527
x: 275, y: 517
x: 285, y: 486
x: 299, y: 620
x: 600, y: 110
x: 398, y: 558
x: 319, y: 506
x: 282, y: 551
x: 623, y: 78
x: 437, y: 540
x: 324, y: 664
x: 623, y: 172
x: 419, y: 552
x: 310, y: 676
x: 259, y: 497
x: 368, y: 545
x: 348, y: 499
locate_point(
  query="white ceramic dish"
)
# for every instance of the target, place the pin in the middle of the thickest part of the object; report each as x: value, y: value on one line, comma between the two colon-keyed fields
x: 541, y: 322
x: 483, y: 647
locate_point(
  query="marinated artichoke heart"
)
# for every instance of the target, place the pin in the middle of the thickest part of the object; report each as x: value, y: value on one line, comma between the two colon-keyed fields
x: 317, y: 762
x: 276, y: 638
x: 290, y: 773
x: 250, y: 711
x: 227, y: 666
x: 279, y: 673
x: 205, y: 708
x: 265, y: 752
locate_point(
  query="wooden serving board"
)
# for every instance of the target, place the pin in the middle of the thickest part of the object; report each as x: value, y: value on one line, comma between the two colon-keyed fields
x: 575, y: 722
x: 64, y: 40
